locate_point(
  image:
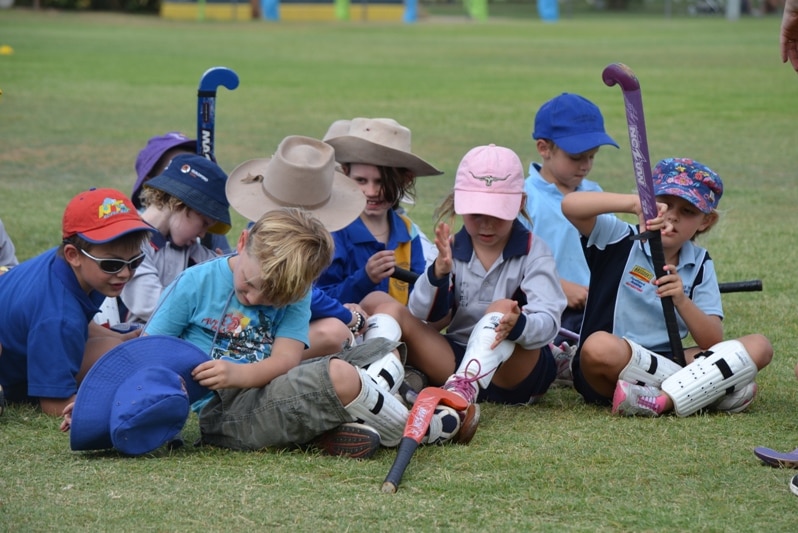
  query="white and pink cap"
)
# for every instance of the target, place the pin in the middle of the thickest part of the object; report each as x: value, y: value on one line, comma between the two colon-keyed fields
x: 489, y: 181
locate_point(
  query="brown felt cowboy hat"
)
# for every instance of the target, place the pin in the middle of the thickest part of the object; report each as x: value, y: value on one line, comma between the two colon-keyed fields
x: 377, y: 141
x: 302, y: 173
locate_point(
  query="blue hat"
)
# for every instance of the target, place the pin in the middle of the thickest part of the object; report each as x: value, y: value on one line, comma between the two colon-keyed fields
x: 689, y: 180
x: 573, y: 123
x: 150, y: 155
x: 199, y: 183
x: 136, y: 397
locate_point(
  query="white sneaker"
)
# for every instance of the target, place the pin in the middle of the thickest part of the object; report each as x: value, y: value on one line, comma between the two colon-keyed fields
x: 738, y: 400
x: 563, y: 356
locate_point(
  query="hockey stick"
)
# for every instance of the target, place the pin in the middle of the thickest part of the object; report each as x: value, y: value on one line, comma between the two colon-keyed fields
x: 206, y: 106
x: 415, y: 428
x: 402, y: 274
x: 618, y: 73
x: 751, y: 285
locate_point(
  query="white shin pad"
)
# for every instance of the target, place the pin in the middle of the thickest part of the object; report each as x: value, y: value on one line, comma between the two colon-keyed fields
x: 478, y: 348
x: 383, y: 326
x: 388, y: 372
x: 705, y: 380
x: 646, y: 367
x: 376, y: 407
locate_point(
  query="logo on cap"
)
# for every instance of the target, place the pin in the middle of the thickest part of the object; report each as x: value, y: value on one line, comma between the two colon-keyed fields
x: 488, y: 179
x: 111, y: 207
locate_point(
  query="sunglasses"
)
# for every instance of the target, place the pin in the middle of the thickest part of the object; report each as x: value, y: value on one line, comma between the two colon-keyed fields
x: 115, y: 266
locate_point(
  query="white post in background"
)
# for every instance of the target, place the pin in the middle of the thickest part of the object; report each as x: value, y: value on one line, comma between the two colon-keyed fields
x: 732, y: 9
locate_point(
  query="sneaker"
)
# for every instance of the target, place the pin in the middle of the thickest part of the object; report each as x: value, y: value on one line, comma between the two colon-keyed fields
x: 415, y: 378
x: 794, y: 484
x: 637, y: 400
x: 352, y: 439
x: 563, y: 355
x: 464, y: 384
x: 738, y: 400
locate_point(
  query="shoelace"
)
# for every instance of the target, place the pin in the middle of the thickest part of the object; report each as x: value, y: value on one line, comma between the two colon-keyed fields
x: 463, y: 384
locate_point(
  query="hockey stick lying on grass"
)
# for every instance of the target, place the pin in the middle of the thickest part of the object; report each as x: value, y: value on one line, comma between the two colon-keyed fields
x: 618, y: 73
x: 415, y: 428
x: 751, y: 285
x: 206, y: 106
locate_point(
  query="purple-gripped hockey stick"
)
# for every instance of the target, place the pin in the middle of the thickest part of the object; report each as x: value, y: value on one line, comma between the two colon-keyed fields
x: 206, y: 106
x: 618, y: 73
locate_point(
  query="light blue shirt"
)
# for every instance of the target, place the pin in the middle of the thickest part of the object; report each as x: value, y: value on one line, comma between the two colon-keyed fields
x: 543, y: 204
x: 200, y: 306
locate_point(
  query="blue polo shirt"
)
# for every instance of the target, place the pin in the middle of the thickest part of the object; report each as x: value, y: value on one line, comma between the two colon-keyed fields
x: 622, y: 300
x: 544, y: 205
x: 44, y: 326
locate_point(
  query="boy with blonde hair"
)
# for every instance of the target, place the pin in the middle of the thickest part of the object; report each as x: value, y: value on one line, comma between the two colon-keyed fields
x: 254, y: 307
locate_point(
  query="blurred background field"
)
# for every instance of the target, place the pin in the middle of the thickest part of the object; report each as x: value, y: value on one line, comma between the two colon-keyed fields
x: 82, y: 92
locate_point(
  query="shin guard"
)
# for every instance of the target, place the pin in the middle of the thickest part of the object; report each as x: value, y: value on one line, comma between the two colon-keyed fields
x: 376, y: 407
x: 383, y: 326
x: 387, y: 372
x: 646, y: 367
x: 478, y: 348
x: 708, y: 378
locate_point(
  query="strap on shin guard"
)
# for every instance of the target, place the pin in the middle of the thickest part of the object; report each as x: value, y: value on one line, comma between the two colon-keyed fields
x: 376, y: 407
x: 646, y: 367
x: 705, y: 380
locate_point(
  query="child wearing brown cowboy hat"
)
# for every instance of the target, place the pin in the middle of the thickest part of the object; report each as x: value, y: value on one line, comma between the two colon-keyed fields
x: 254, y: 307
x: 376, y: 154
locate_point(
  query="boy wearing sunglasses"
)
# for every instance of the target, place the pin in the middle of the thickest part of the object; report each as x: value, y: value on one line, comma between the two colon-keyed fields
x: 46, y: 330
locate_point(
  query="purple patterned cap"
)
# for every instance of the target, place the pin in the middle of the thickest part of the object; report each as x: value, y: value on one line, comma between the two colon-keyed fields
x: 690, y: 180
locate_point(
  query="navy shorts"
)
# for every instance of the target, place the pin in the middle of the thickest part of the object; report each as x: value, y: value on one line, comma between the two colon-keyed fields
x: 529, y: 390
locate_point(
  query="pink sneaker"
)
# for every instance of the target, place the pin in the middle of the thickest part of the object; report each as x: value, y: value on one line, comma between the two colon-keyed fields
x: 466, y: 386
x: 637, y: 400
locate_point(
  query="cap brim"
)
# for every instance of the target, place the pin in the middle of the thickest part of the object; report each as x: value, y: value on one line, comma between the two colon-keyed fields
x: 247, y: 197
x: 114, y: 230
x: 505, y: 206
x: 349, y: 149
x: 578, y: 144
x: 90, y: 429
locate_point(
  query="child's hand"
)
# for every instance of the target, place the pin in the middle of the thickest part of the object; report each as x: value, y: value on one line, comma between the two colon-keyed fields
x: 671, y: 285
x: 67, y: 414
x: 380, y: 265
x: 575, y: 293
x: 443, y: 242
x: 506, y: 324
x: 217, y: 374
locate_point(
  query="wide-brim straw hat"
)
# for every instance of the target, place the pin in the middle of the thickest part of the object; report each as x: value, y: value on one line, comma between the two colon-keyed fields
x: 376, y: 141
x: 302, y: 173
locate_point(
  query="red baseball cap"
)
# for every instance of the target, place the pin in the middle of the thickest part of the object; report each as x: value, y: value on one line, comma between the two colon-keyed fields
x: 101, y: 215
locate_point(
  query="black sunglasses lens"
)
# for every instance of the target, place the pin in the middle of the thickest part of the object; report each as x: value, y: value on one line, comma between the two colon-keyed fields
x: 114, y: 266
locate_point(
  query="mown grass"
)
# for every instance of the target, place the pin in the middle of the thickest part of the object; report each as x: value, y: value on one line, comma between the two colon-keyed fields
x: 83, y: 92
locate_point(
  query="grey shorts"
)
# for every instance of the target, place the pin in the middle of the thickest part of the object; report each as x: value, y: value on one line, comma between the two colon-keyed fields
x: 291, y: 410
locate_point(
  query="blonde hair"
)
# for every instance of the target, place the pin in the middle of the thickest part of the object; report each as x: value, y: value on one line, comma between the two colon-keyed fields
x: 151, y: 196
x: 445, y: 211
x: 293, y: 248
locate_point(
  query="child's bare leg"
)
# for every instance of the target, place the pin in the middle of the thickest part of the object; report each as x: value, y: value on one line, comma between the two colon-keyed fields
x: 602, y: 358
x: 327, y: 336
x: 759, y: 349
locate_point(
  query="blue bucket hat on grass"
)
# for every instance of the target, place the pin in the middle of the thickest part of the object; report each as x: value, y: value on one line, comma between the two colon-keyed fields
x: 690, y: 180
x: 200, y: 184
x: 573, y: 123
x: 136, y: 397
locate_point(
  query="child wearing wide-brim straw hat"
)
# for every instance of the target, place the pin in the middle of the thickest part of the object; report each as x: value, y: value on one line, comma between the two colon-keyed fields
x: 376, y: 154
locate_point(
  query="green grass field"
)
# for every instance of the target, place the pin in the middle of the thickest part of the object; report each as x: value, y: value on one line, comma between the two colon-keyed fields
x: 83, y: 92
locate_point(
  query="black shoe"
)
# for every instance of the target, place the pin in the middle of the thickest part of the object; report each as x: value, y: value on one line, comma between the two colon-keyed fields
x: 352, y: 439
x: 794, y: 485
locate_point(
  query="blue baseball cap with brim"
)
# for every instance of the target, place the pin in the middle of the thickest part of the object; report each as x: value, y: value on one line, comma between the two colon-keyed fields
x: 137, y: 396
x: 573, y: 123
x: 200, y: 184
